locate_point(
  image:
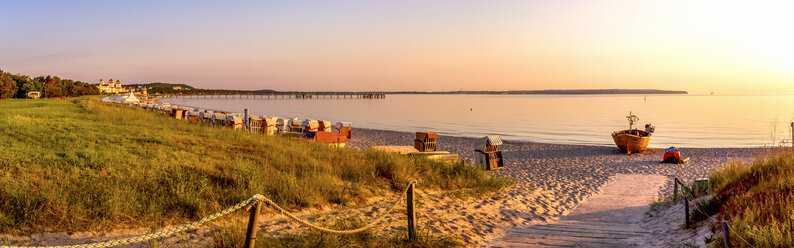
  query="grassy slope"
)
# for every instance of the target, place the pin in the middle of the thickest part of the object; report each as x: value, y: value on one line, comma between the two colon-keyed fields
x: 758, y: 201
x: 84, y: 165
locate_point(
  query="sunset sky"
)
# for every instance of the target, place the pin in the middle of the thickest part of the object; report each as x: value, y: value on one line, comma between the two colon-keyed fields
x: 699, y: 46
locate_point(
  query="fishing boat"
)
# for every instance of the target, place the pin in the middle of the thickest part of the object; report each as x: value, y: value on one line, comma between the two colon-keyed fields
x: 632, y: 139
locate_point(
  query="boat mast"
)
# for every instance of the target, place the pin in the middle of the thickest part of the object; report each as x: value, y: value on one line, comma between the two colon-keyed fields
x: 632, y: 118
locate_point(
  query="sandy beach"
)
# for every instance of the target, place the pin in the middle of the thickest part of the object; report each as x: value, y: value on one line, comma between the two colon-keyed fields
x: 551, y: 180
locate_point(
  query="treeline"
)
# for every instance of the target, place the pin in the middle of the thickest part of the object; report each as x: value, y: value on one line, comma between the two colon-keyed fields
x: 18, y: 86
x: 168, y: 89
x: 163, y: 88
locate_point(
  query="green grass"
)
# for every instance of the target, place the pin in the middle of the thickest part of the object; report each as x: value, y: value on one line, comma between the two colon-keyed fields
x: 758, y: 200
x: 81, y: 165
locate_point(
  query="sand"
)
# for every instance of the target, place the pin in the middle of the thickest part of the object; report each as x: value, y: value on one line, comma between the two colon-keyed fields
x: 553, y: 179
x: 610, y: 218
x: 550, y: 181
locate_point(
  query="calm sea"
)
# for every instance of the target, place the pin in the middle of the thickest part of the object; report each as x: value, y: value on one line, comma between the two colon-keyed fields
x: 680, y: 120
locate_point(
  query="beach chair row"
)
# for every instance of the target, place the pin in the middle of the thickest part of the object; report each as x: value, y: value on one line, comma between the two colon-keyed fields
x: 304, y: 130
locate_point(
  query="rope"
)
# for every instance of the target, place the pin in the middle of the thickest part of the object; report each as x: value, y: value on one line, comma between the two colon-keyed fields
x: 695, y: 207
x: 342, y: 232
x: 159, y: 234
x: 247, y: 204
x: 715, y: 220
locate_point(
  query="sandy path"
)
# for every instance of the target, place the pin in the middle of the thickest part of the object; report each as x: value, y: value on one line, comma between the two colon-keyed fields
x: 609, y: 219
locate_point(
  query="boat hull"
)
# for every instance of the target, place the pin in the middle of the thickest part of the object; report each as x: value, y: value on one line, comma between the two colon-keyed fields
x: 631, y: 140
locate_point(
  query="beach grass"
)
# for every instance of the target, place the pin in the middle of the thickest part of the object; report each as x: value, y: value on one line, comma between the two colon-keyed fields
x: 78, y: 164
x: 757, y: 199
x: 232, y: 234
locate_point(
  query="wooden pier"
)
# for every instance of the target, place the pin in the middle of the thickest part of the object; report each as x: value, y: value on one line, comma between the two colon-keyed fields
x: 288, y: 95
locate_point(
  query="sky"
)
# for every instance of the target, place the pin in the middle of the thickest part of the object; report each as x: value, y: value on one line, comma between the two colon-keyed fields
x: 698, y: 46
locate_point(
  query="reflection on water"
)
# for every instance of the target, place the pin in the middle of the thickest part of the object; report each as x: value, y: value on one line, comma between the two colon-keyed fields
x: 680, y: 120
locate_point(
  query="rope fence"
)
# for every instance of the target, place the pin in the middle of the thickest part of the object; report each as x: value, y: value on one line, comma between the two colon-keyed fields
x: 253, y: 205
x: 340, y: 232
x: 726, y: 229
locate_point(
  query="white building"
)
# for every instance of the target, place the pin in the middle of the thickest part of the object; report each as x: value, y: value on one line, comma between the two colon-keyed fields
x: 110, y: 87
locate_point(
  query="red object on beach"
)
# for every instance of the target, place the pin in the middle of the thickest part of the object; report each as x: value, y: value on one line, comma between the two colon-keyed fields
x: 345, y: 131
x: 671, y: 155
x: 326, y: 137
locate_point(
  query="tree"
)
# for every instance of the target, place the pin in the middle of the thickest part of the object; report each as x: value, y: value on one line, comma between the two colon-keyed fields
x: 52, y: 87
x: 7, y: 85
x: 30, y: 85
x: 25, y: 84
x: 18, y: 86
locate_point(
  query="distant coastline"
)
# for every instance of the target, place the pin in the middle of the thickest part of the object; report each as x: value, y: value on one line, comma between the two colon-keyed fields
x: 552, y: 92
x: 167, y: 88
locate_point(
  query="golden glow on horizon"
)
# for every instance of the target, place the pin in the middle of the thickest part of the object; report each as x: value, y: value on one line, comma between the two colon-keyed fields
x: 699, y: 46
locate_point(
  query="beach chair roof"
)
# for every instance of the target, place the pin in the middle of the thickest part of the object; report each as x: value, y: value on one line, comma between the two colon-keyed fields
x: 493, y: 140
x: 344, y: 124
x: 269, y: 121
x: 310, y: 123
x: 423, y: 135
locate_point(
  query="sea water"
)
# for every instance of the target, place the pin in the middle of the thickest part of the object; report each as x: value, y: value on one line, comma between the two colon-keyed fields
x: 680, y: 120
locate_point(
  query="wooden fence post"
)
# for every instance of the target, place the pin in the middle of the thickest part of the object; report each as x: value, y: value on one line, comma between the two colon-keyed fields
x: 686, y: 211
x: 726, y: 235
x: 253, y: 226
x: 411, y: 212
x: 792, y: 134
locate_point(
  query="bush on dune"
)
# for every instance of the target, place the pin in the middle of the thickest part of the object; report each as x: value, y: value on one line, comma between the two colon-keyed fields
x: 758, y: 200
